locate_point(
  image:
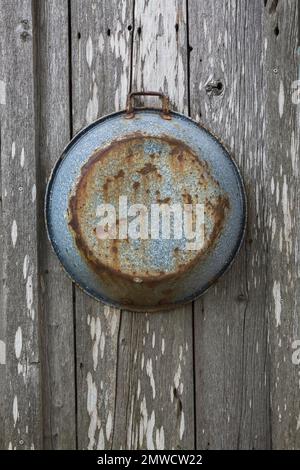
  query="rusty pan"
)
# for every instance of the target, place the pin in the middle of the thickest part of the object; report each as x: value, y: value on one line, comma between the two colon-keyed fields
x: 119, y: 169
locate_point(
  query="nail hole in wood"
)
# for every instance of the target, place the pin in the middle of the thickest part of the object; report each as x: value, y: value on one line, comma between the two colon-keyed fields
x: 214, y: 88
x: 139, y: 30
x: 79, y: 35
x: 108, y: 32
x: 176, y: 27
x: 276, y: 30
x: 129, y: 27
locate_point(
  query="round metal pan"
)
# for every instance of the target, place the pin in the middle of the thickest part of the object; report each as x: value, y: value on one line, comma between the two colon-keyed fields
x: 148, y: 157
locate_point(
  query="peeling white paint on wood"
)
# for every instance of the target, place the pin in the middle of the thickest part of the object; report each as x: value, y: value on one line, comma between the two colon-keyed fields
x: 114, y: 321
x: 101, y: 43
x: 149, y: 371
x: 92, y: 107
x: 33, y: 193
x: 164, y: 72
x: 15, y: 410
x: 163, y: 346
x: 22, y: 157
x: 13, y: 150
x: 14, y: 233
x: 2, y: 92
x: 29, y: 296
x: 102, y: 345
x: 277, y: 302
x: 18, y: 342
x: 281, y: 99
x: 287, y: 219
x: 278, y: 224
x: 182, y: 425
x: 298, y: 423
x: 2, y: 352
x: 92, y: 409
x: 160, y: 439
x: 177, y: 376
x: 95, y: 326
x: 25, y: 266
x: 89, y: 51
x: 138, y: 389
x: 149, y: 432
x: 19, y: 131
x: 109, y: 426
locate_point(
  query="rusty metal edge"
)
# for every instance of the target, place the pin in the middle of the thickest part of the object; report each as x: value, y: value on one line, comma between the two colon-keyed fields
x: 166, y: 307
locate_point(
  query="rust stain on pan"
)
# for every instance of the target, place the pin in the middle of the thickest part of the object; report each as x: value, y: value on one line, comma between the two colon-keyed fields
x: 146, y: 170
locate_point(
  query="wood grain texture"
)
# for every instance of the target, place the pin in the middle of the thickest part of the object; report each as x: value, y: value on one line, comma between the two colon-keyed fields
x: 59, y: 419
x: 2, y: 312
x: 23, y: 424
x: 222, y: 373
x: 101, y: 51
x: 160, y: 50
x: 238, y: 405
x: 155, y: 365
x: 154, y: 406
x: 282, y: 126
x: 232, y: 383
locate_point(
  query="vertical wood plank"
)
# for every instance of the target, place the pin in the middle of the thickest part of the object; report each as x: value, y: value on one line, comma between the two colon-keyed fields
x: 282, y: 133
x: 101, y: 51
x: 59, y: 419
x: 160, y: 50
x: 2, y: 312
x: 154, y: 408
x: 18, y: 168
x: 228, y: 93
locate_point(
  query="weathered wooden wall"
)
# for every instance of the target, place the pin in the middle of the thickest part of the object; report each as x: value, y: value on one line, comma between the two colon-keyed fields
x: 214, y: 374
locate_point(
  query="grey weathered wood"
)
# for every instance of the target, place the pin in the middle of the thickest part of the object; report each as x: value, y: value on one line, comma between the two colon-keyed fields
x: 59, y: 419
x: 155, y: 408
x: 2, y: 312
x: 282, y: 217
x: 20, y: 265
x: 160, y: 50
x: 101, y: 51
x: 237, y: 43
x: 232, y: 383
x: 77, y: 373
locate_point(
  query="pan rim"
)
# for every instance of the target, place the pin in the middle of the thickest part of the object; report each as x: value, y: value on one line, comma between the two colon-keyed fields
x: 209, y: 284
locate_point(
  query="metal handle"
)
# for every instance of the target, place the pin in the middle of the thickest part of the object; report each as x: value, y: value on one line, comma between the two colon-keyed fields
x: 164, y: 98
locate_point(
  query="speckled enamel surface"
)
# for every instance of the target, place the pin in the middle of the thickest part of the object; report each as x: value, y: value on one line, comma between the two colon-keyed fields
x: 148, y: 159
